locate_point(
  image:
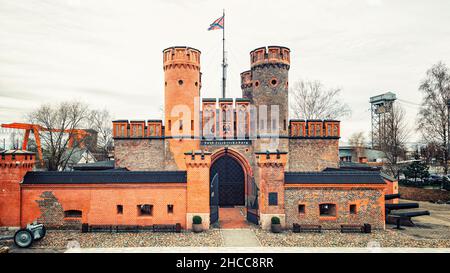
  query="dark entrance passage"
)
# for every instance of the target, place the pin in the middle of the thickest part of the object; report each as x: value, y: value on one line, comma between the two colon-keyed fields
x: 231, y: 181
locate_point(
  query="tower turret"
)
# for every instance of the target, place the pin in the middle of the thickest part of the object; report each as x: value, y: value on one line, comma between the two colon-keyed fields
x: 246, y: 84
x: 182, y: 80
x: 267, y: 83
x: 14, y: 164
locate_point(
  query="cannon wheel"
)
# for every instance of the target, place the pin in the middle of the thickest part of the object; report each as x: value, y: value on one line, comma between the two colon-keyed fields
x: 42, y: 232
x: 23, y: 238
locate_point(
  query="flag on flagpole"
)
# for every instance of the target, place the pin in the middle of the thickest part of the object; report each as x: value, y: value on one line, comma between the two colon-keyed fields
x: 217, y: 24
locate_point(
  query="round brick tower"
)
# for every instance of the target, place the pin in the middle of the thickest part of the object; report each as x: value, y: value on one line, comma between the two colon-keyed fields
x: 182, y: 81
x: 268, y: 80
x: 182, y: 87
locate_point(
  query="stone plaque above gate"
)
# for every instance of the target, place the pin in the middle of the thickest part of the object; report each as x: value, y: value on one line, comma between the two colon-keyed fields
x: 226, y: 142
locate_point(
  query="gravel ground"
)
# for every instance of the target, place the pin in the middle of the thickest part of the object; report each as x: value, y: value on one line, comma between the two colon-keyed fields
x: 58, y: 241
x: 387, y: 238
x: 61, y: 239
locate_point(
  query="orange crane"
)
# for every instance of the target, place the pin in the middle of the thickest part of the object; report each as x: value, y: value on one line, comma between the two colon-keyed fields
x: 75, y: 135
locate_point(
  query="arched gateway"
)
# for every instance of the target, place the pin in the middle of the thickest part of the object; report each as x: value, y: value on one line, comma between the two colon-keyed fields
x: 232, y: 184
x: 231, y: 181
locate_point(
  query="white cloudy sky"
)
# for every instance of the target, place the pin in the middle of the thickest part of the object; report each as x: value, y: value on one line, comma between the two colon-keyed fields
x: 109, y: 53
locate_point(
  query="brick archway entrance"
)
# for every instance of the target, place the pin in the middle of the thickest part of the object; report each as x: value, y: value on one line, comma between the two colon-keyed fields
x: 231, y: 181
x: 230, y: 173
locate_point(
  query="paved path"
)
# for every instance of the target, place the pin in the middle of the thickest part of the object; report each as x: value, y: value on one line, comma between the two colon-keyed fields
x: 239, y: 238
x: 232, y: 218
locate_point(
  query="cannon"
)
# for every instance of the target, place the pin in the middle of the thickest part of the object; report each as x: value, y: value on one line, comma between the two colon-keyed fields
x: 401, y: 218
x: 391, y: 196
x: 402, y: 206
x: 405, y: 217
x: 26, y: 236
x: 411, y: 213
x: 390, y: 207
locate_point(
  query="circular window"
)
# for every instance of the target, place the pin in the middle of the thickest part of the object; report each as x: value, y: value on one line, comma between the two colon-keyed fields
x: 180, y: 82
x: 273, y: 82
x: 257, y: 83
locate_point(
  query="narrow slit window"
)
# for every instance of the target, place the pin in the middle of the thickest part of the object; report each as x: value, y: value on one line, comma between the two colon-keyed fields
x: 301, y: 209
x: 273, y: 199
x: 353, y: 209
x: 119, y: 209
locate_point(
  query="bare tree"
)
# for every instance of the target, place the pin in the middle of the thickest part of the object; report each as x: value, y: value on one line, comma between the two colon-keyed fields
x: 430, y: 152
x: 433, y: 115
x: 59, y: 123
x: 311, y: 100
x: 393, y: 143
x: 100, y: 121
x: 358, y: 142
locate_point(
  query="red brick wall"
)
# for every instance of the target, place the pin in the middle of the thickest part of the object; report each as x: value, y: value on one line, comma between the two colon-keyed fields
x: 391, y: 188
x: 419, y: 194
x: 11, y: 174
x: 98, y: 203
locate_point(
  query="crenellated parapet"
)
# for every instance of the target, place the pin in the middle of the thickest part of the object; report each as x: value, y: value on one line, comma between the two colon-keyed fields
x: 314, y: 128
x: 12, y: 159
x: 246, y: 79
x: 272, y: 55
x: 181, y: 57
x: 137, y: 128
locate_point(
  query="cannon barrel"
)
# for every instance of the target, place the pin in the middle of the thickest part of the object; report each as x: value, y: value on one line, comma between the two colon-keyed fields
x: 412, y: 213
x: 391, y: 196
x: 401, y: 206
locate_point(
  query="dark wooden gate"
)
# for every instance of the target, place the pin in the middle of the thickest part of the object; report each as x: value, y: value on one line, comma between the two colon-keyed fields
x: 214, y: 199
x: 252, y: 201
x: 231, y: 181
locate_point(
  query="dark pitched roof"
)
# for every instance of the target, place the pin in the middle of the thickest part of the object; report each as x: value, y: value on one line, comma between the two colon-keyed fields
x: 333, y: 177
x: 104, y: 177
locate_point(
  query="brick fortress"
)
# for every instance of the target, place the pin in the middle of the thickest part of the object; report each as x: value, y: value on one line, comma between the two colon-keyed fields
x: 207, y: 153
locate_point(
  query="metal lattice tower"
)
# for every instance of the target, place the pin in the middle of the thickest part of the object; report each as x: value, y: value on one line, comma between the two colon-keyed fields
x: 381, y: 111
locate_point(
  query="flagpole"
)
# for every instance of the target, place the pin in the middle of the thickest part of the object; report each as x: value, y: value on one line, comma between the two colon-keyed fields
x: 223, y: 58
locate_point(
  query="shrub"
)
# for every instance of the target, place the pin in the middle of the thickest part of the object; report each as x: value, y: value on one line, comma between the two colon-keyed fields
x: 196, y: 220
x: 275, y: 221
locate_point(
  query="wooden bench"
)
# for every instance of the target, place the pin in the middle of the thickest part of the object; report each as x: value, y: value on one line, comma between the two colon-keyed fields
x: 167, y: 228
x: 127, y: 228
x: 352, y: 228
x: 100, y: 228
x: 306, y: 228
x: 131, y: 228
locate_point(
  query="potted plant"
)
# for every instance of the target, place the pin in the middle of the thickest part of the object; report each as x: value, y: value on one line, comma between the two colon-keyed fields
x: 197, y: 224
x: 276, y: 226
